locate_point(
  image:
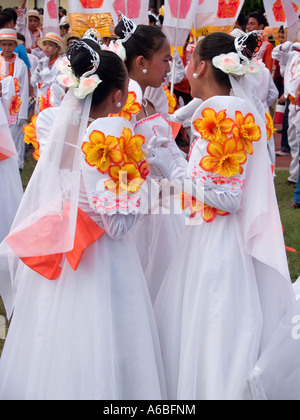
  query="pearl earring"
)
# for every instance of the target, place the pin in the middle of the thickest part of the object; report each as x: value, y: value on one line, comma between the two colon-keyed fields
x: 145, y: 71
x: 195, y: 75
x: 118, y: 105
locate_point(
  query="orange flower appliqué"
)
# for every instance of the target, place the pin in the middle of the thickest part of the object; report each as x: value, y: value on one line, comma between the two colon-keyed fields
x: 126, y: 178
x: 45, y: 102
x: 246, y: 131
x: 195, y: 206
x: 131, y: 108
x: 30, y: 137
x: 172, y: 100
x: 225, y: 159
x: 17, y: 86
x: 101, y: 151
x: 270, y: 126
x: 15, y: 105
x: 213, y: 126
x: 131, y: 146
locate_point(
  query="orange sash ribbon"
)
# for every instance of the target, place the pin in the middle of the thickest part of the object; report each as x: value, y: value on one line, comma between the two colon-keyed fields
x: 87, y: 232
x: 3, y: 156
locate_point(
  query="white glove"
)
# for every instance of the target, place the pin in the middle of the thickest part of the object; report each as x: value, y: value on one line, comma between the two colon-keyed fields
x: 286, y: 47
x: 295, y: 46
x: 162, y: 162
x: 154, y: 144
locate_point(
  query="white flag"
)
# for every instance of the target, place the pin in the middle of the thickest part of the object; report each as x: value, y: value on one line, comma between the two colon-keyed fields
x: 228, y: 12
x: 292, y: 11
x: 51, y: 19
x: 275, y: 13
x: 179, y: 20
x: 206, y: 13
x: 136, y: 10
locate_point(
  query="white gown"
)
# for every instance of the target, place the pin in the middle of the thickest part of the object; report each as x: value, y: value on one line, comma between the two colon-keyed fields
x: 91, y: 334
x: 157, y: 235
x: 11, y: 190
x: 228, y: 285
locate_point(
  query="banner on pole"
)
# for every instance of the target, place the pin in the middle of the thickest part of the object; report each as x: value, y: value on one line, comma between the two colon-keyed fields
x: 51, y: 18
x: 292, y: 11
x: 86, y: 14
x: 179, y: 20
x: 136, y: 10
x: 227, y: 15
x: 207, y: 11
x: 283, y: 13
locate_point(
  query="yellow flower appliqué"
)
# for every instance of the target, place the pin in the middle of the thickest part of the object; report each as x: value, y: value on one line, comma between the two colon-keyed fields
x: 195, y: 206
x: 225, y: 159
x: 30, y: 136
x: 131, y: 108
x: 172, y: 100
x: 246, y: 131
x: 270, y: 126
x: 15, y: 105
x: 131, y: 146
x: 126, y: 178
x: 214, y: 126
x: 101, y: 151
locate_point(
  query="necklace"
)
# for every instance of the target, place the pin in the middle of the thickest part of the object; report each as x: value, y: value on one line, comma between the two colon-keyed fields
x: 144, y: 105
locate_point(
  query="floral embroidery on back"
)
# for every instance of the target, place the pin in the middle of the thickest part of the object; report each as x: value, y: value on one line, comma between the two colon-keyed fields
x: 230, y: 141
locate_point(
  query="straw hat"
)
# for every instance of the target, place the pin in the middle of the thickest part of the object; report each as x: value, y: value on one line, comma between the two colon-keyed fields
x: 53, y: 37
x: 9, y: 35
x: 34, y: 13
x: 298, y: 35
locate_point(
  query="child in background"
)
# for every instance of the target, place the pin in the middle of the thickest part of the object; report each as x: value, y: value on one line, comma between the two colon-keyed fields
x: 44, y: 76
x: 33, y: 32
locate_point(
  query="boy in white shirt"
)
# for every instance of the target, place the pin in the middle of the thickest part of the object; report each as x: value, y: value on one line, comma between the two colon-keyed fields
x: 47, y: 70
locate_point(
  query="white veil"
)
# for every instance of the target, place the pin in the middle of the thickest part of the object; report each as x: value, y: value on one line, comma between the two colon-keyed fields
x: 45, y: 223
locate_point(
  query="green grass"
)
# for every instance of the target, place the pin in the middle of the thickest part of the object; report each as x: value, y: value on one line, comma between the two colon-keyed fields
x: 290, y: 219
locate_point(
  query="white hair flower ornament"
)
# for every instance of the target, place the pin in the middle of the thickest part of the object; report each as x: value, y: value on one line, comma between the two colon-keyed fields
x: 116, y: 47
x: 87, y: 83
x: 231, y: 65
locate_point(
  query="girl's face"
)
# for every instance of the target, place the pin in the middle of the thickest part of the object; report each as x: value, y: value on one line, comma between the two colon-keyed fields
x: 33, y: 23
x: 191, y: 70
x: 159, y: 66
x: 50, y: 48
x: 281, y: 38
x: 125, y: 94
x: 8, y: 48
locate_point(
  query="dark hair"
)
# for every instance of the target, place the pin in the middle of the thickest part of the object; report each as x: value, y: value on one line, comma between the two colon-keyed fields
x: 281, y: 30
x: 65, y: 26
x: 241, y: 20
x: 21, y: 37
x: 12, y: 12
x: 219, y: 43
x: 145, y: 41
x: 259, y: 17
x: 111, y: 71
x: 5, y: 18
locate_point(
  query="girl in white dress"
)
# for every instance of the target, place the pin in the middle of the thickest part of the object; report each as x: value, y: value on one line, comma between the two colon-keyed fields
x: 11, y: 190
x: 225, y: 293
x: 147, y: 61
x: 83, y: 325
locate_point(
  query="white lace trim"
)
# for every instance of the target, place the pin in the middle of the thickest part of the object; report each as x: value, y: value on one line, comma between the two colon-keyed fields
x: 111, y: 204
x: 219, y: 184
